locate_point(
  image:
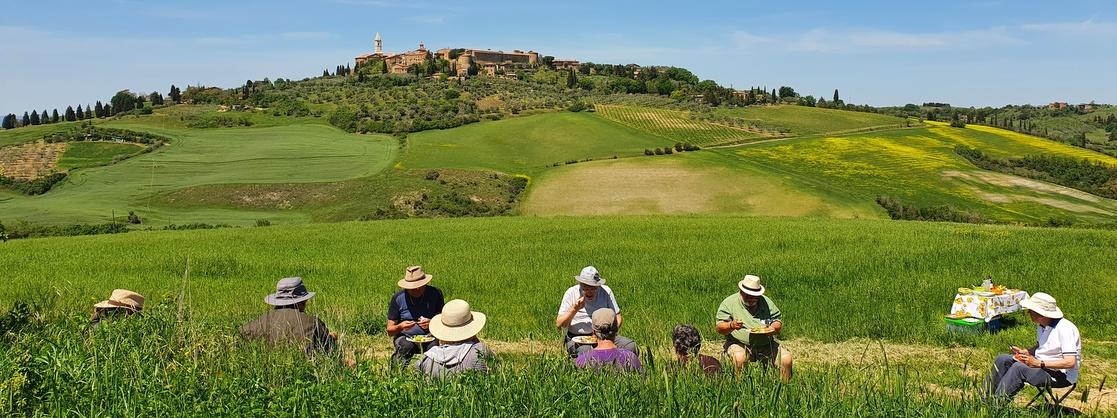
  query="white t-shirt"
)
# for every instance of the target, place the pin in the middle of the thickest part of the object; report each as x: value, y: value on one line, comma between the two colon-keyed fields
x: 582, y: 324
x: 1052, y: 343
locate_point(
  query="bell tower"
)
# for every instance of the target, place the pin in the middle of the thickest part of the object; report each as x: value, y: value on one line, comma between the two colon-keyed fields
x: 379, y: 49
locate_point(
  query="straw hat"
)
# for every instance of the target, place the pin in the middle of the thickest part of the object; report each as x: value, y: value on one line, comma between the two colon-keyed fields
x: 590, y: 276
x: 1043, y: 304
x: 456, y: 322
x: 288, y: 291
x: 122, y: 298
x: 414, y: 278
x: 750, y: 285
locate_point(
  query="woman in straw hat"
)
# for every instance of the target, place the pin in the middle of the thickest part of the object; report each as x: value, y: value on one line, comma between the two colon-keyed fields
x: 459, y: 349
x: 410, y: 312
x: 121, y: 302
x: 1054, y: 360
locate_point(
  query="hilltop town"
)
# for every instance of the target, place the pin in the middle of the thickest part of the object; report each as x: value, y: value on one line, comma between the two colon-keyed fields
x: 461, y: 62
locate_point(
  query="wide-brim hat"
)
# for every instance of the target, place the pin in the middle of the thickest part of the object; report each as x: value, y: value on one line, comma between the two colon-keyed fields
x: 288, y: 291
x: 122, y: 298
x: 589, y: 276
x: 414, y: 278
x: 1043, y: 304
x: 750, y: 285
x: 457, y: 322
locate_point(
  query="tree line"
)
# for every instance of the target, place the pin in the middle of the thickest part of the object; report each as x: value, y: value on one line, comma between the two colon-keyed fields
x: 123, y: 101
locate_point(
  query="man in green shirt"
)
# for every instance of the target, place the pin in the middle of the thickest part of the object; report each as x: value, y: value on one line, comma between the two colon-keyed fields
x: 750, y: 322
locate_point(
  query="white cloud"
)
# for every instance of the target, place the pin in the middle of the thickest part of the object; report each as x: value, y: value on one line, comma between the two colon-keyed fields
x: 825, y: 40
x: 1085, y: 28
x: 305, y: 36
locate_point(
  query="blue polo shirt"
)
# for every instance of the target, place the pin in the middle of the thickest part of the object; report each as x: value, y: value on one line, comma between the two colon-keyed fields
x: 403, y: 307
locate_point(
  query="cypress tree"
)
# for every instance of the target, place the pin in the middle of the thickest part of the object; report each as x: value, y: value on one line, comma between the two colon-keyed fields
x: 836, y: 99
x: 88, y: 112
x: 54, y: 116
x: 9, y: 121
x: 70, y: 117
x: 80, y: 114
x: 99, y: 110
x: 34, y: 117
x: 26, y: 119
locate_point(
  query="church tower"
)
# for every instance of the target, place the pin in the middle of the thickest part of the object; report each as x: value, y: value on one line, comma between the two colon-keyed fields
x: 379, y: 50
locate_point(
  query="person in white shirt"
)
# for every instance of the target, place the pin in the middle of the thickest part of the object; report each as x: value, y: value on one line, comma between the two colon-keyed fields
x: 578, y: 305
x: 1054, y: 360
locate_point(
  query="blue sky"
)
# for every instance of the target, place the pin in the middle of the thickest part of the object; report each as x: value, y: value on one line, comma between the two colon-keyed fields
x: 880, y: 52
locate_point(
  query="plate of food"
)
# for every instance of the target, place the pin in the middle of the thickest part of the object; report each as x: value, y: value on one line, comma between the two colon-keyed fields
x: 964, y: 290
x: 761, y: 331
x: 420, y: 339
x: 584, y: 340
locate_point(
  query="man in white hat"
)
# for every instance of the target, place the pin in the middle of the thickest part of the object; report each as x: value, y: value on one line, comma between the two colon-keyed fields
x: 1054, y: 360
x: 410, y: 313
x: 578, y: 304
x: 750, y: 321
x: 121, y: 302
x: 458, y: 348
x: 288, y: 322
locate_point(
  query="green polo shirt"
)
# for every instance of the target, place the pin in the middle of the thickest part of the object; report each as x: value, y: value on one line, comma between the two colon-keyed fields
x: 734, y: 309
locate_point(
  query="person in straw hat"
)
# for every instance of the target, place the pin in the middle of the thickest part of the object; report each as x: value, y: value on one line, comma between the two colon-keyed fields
x: 410, y: 312
x: 1054, y: 360
x: 288, y: 322
x: 750, y: 321
x: 578, y: 303
x: 459, y: 349
x: 121, y: 302
x: 606, y: 354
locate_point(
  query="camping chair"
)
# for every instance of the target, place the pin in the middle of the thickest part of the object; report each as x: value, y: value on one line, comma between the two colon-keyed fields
x: 1048, y: 394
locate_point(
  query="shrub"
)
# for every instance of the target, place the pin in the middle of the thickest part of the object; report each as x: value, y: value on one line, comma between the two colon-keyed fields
x: 945, y: 213
x: 668, y: 150
x: 263, y: 222
x: 648, y: 152
x: 679, y: 147
x: 659, y: 151
x: 432, y: 175
x: 133, y: 218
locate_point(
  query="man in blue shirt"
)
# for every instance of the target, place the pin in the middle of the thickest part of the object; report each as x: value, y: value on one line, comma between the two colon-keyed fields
x: 410, y: 312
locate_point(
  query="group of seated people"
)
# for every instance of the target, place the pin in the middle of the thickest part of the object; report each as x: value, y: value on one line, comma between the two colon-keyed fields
x: 446, y: 333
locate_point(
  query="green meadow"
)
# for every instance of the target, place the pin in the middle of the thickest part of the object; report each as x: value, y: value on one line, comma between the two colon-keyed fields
x: 89, y: 154
x: 860, y: 298
x: 803, y: 120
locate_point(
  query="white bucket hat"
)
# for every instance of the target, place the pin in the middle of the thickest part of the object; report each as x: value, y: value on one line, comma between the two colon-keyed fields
x: 456, y: 322
x: 751, y: 285
x: 1043, y: 304
x: 590, y: 276
x: 414, y: 278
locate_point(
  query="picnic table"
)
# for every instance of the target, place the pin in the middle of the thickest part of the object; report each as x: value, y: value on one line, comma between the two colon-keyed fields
x: 987, y: 305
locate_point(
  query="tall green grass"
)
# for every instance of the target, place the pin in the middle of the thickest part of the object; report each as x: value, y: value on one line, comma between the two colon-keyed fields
x: 163, y: 363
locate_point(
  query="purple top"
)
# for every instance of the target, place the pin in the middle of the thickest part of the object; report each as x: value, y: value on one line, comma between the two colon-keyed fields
x: 610, y: 358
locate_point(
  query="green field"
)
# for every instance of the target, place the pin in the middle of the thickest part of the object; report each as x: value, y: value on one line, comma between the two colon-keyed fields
x: 677, y: 126
x: 89, y: 154
x: 281, y: 154
x: 526, y: 145
x: 31, y: 133
x: 803, y: 120
x: 843, y: 286
x: 832, y: 176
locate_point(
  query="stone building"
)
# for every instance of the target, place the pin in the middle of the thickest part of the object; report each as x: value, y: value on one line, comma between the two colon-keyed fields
x: 397, y: 63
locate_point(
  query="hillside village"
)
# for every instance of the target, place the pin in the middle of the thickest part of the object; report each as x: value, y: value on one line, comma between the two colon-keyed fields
x: 462, y: 61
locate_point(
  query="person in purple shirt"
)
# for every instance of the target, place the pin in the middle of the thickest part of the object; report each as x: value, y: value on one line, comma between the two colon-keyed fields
x: 606, y: 355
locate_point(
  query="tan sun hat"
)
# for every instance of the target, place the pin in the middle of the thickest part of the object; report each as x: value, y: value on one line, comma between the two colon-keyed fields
x: 751, y: 285
x: 1043, y: 304
x: 456, y: 322
x: 122, y: 298
x: 414, y: 278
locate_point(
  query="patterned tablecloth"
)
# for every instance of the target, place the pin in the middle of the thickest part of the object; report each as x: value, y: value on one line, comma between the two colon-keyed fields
x: 988, y: 307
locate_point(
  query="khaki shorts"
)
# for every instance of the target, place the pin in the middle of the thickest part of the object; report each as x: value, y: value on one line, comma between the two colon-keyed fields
x: 768, y: 354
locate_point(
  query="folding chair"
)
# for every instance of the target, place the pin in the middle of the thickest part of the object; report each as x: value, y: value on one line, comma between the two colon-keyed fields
x: 1047, y: 393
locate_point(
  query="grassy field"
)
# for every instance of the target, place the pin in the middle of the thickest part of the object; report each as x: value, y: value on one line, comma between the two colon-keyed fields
x: 832, y: 176
x: 89, y: 154
x: 803, y: 120
x: 892, y: 282
x: 677, y: 126
x: 281, y: 154
x: 31, y: 133
x: 526, y: 145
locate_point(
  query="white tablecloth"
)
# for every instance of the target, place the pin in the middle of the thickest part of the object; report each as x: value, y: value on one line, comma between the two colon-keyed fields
x: 988, y: 307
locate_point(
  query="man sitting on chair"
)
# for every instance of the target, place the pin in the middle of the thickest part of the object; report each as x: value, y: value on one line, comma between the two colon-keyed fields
x: 1054, y: 360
